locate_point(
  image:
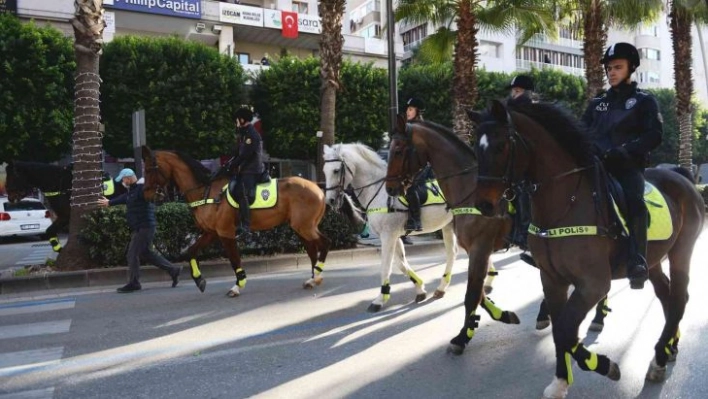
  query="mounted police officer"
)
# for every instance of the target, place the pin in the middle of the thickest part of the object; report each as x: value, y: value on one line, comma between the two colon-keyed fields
x: 248, y: 165
x: 414, y: 112
x: 627, y: 125
x: 521, y: 92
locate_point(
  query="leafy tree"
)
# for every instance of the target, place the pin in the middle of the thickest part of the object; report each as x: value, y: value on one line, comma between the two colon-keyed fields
x: 287, y: 97
x: 36, y: 91
x: 189, y: 92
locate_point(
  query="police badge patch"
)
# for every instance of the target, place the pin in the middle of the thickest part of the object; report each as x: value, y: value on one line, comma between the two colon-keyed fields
x: 630, y: 103
x: 265, y: 194
x: 248, y: 141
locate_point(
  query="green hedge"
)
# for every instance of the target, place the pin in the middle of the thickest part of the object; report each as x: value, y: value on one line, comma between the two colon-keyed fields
x: 107, y: 235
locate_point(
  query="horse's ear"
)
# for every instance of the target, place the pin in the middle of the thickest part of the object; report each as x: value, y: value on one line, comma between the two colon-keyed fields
x: 147, y: 152
x: 475, y: 117
x: 499, y: 112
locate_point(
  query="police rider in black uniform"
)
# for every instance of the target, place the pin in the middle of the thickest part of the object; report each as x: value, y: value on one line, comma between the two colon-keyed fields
x: 414, y: 112
x: 627, y: 125
x: 248, y: 165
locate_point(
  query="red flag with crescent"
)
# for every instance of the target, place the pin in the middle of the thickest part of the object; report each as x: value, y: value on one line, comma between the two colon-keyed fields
x: 289, y: 24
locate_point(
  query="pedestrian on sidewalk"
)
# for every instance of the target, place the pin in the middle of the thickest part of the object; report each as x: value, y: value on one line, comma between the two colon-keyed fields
x: 140, y: 215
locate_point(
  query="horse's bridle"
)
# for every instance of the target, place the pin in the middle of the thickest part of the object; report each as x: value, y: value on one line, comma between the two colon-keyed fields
x: 406, y: 177
x: 342, y: 177
x: 160, y: 191
x: 511, y: 182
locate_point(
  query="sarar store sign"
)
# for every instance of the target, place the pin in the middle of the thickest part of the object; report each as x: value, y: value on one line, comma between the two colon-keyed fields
x: 8, y: 6
x: 173, y: 8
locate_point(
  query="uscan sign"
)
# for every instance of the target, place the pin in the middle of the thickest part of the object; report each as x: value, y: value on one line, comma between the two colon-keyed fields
x: 173, y: 8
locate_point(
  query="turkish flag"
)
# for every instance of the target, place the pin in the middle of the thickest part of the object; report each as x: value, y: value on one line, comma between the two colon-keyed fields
x: 289, y: 20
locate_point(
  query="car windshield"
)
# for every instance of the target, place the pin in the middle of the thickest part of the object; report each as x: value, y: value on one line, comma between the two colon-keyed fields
x: 24, y: 206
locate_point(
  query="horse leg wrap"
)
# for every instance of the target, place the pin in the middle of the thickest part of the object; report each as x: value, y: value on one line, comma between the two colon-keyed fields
x: 386, y: 291
x: 491, y: 308
x: 590, y: 361
x: 414, y: 278
x: 317, y: 269
x: 472, y: 324
x: 240, y: 277
x: 194, y: 265
x: 447, y: 277
x: 56, y: 245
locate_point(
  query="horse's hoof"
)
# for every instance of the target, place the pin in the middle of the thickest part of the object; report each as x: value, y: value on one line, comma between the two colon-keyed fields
x: 597, y: 327
x: 510, y: 318
x: 373, y: 308
x: 232, y: 294
x: 655, y: 373
x: 557, y: 389
x: 318, y: 280
x: 672, y: 356
x: 455, y: 349
x: 308, y: 285
x: 542, y: 324
x: 201, y: 283
x: 420, y: 297
x: 438, y: 294
x: 614, y: 372
x: 488, y: 289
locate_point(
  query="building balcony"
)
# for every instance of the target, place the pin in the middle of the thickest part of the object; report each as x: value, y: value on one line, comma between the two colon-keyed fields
x: 524, y: 65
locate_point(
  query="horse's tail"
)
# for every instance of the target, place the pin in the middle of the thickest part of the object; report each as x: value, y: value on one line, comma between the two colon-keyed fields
x: 684, y: 172
x: 352, y: 212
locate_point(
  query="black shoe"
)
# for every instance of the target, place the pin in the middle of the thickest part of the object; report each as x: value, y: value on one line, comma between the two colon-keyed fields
x: 413, y: 225
x: 406, y: 240
x: 130, y: 287
x: 527, y: 258
x: 637, y: 274
x: 243, y: 233
x: 175, y: 276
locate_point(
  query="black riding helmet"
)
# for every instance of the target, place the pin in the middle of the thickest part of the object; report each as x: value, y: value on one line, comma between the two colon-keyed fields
x: 414, y: 102
x: 245, y: 114
x: 622, y: 51
x: 523, y: 81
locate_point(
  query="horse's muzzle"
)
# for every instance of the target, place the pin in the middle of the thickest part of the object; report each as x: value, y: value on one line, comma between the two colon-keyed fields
x: 393, y: 191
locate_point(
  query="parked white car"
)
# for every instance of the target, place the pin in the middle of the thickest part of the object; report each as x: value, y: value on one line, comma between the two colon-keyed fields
x: 29, y: 217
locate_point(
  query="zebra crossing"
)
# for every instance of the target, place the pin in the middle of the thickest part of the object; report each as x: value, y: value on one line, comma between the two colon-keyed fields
x: 38, y: 256
x: 15, y: 362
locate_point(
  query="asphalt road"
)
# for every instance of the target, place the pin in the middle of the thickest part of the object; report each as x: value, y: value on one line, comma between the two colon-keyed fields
x: 280, y: 341
x: 16, y: 252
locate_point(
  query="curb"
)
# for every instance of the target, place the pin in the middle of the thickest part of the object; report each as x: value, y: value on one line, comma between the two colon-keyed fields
x: 210, y: 269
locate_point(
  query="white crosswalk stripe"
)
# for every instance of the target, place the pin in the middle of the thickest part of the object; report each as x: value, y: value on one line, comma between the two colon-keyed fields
x: 39, y: 255
x: 17, y: 362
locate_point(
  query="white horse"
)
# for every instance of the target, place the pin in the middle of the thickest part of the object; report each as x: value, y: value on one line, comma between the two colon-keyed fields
x: 359, y: 166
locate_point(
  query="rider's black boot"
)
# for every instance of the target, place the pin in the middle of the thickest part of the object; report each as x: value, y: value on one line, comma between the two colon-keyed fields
x: 244, y: 225
x: 413, y: 222
x: 637, y: 268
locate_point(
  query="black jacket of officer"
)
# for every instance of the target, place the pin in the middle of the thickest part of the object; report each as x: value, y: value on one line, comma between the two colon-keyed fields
x: 627, y: 125
x: 248, y: 157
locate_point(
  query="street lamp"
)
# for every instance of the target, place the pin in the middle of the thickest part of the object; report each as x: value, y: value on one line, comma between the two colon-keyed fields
x: 319, y: 160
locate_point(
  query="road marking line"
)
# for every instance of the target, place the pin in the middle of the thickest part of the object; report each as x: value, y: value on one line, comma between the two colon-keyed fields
x: 37, y: 307
x: 31, y: 329
x: 13, y: 362
x: 47, y: 393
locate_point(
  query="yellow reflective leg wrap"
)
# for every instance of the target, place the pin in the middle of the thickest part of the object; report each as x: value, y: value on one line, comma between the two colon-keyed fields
x: 240, y: 277
x: 491, y: 273
x: 56, y: 245
x: 605, y: 308
x: 472, y: 324
x: 414, y: 278
x: 447, y: 277
x: 492, y: 309
x: 386, y: 291
x: 194, y: 265
x: 319, y: 268
x: 586, y: 360
x: 568, y: 368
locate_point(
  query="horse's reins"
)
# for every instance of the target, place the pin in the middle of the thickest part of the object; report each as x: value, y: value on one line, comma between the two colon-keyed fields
x: 159, y: 190
x: 342, y: 177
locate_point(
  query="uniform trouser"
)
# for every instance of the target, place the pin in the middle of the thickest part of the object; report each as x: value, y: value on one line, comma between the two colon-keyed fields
x: 413, y: 202
x: 245, y: 187
x: 632, y: 182
x: 140, y: 247
x: 522, y: 217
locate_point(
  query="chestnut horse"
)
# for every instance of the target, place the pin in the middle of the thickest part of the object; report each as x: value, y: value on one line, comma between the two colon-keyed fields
x: 300, y: 202
x: 455, y: 165
x: 574, y: 239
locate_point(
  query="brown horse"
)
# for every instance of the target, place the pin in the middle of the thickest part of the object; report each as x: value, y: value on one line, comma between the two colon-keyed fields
x: 412, y: 146
x: 573, y: 238
x: 300, y: 202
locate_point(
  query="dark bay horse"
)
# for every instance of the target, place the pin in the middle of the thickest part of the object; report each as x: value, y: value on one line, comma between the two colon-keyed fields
x: 300, y: 202
x: 541, y: 148
x: 455, y: 165
x: 55, y: 184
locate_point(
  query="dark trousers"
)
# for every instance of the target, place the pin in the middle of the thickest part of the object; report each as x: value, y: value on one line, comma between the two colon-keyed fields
x: 632, y: 182
x: 245, y: 188
x: 140, y: 247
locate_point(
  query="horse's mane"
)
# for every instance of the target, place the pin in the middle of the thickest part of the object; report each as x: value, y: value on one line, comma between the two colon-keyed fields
x: 563, y: 127
x: 200, y: 172
x: 364, y: 151
x: 448, y: 134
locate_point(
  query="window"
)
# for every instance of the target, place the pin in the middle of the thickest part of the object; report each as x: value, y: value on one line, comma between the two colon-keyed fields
x: 649, y: 30
x: 243, y: 58
x: 300, y: 7
x: 650, y: 54
x: 488, y: 49
x: 418, y: 33
x: 373, y: 30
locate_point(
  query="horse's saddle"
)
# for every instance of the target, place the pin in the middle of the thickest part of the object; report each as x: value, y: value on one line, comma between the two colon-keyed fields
x: 264, y: 196
x: 659, y: 220
x: 429, y: 194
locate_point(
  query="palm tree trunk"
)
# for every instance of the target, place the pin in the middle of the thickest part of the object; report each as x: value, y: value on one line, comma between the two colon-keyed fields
x: 681, y: 22
x: 331, y: 43
x: 87, y: 144
x: 464, y: 80
x: 594, y: 44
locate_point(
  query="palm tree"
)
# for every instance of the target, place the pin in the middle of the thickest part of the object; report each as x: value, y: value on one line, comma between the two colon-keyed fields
x: 459, y: 22
x: 331, y: 42
x: 88, y: 27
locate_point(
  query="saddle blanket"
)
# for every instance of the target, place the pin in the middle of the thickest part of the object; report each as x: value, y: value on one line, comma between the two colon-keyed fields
x: 266, y: 195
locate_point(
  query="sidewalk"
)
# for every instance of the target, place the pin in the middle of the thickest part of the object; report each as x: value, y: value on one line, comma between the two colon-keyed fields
x: 367, y: 249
